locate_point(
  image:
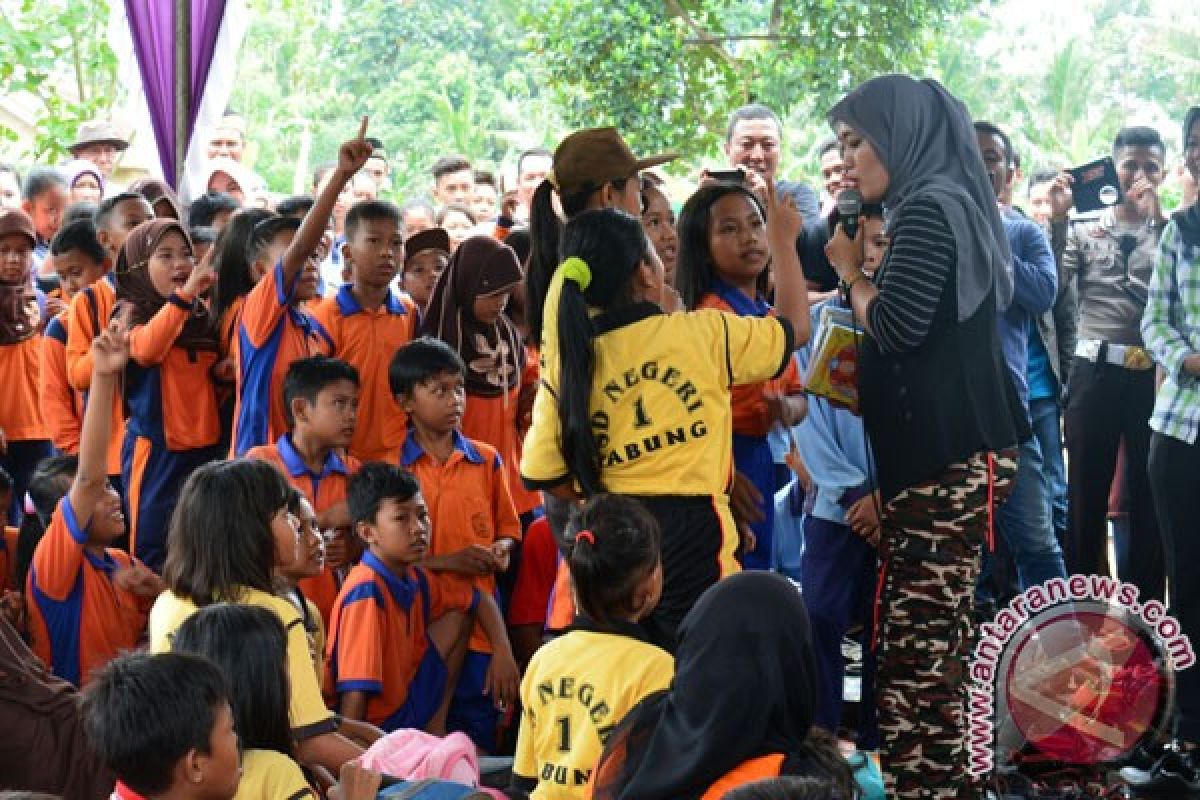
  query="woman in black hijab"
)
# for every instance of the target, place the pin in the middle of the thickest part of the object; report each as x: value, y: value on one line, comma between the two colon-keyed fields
x: 940, y: 410
x: 739, y: 710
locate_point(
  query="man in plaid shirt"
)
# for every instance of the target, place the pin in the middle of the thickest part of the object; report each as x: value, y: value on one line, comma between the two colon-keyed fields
x: 1171, y: 330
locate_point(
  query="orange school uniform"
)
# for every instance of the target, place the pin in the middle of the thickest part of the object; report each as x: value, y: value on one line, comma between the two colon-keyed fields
x: 272, y: 333
x: 469, y: 503
x: 173, y: 424
x: 368, y: 340
x: 749, y: 771
x: 62, y: 405
x: 493, y: 421
x: 323, y: 490
x: 89, y: 313
x: 750, y: 414
x: 78, y: 618
x: 378, y: 643
x: 20, y: 406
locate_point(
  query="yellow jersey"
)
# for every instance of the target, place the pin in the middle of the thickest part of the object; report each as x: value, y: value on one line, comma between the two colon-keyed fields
x: 575, y: 691
x: 268, y: 775
x: 309, y: 716
x: 660, y: 405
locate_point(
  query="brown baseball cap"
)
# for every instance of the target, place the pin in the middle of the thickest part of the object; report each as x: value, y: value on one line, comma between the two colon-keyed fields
x: 14, y: 220
x: 98, y: 131
x: 428, y: 239
x: 590, y: 158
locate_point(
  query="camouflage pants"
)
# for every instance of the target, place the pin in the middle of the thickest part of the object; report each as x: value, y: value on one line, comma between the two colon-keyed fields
x: 930, y: 553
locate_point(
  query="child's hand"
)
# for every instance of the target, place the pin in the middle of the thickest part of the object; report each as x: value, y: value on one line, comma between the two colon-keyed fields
x: 863, y: 518
x: 336, y: 516
x: 110, y: 350
x: 337, y: 547
x: 138, y: 579
x: 12, y: 608
x: 502, y: 551
x: 745, y: 500
x: 54, y: 307
x: 779, y: 409
x: 503, y: 681
x: 784, y: 221
x: 353, y: 155
x: 202, y: 278
x: 224, y: 371
x: 357, y: 783
x: 473, y: 560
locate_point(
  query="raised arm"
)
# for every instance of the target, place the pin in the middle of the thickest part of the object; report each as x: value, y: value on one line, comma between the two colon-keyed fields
x: 110, y: 353
x: 352, y: 155
x: 791, y: 289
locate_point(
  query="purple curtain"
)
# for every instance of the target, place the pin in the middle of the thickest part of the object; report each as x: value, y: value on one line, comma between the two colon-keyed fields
x: 152, y: 24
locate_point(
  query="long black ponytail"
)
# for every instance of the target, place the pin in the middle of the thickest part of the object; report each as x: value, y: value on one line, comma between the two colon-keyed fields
x: 546, y: 233
x: 613, y: 245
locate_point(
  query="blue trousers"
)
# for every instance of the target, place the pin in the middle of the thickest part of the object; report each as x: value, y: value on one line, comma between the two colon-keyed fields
x: 153, y: 476
x: 1025, y: 523
x: 839, y: 574
x: 1047, y: 429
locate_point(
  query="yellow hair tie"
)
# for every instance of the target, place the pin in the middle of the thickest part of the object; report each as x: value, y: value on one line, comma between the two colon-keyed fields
x: 576, y: 269
x: 550, y: 176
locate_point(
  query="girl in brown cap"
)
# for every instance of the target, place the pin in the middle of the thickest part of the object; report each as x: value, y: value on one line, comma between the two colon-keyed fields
x: 173, y: 422
x: 637, y: 401
x: 592, y: 169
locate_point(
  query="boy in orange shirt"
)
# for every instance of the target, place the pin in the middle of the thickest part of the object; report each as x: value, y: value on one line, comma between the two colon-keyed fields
x: 368, y: 323
x: 275, y: 329
x: 23, y: 437
x: 399, y: 633
x: 475, y: 524
x: 88, y: 601
x: 80, y: 261
x: 321, y: 397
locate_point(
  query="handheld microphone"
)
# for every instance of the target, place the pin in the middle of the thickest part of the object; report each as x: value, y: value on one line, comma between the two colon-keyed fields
x: 849, y: 207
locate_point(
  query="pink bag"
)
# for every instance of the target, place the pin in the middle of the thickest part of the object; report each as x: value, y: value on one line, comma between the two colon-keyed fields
x: 415, y: 755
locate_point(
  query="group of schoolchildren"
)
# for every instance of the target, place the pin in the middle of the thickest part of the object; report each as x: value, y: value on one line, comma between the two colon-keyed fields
x: 322, y: 494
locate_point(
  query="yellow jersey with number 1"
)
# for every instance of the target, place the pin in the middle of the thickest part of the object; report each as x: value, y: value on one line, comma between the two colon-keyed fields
x: 575, y: 691
x: 660, y: 404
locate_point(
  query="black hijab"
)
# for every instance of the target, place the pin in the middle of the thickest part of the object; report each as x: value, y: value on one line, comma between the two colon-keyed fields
x: 745, y: 687
x: 925, y: 139
x: 1187, y: 220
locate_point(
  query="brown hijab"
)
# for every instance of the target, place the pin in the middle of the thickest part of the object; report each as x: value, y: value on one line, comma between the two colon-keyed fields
x: 155, y: 190
x: 135, y: 287
x: 492, y: 353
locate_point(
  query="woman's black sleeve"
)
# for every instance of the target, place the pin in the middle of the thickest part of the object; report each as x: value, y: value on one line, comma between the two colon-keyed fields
x: 919, y: 262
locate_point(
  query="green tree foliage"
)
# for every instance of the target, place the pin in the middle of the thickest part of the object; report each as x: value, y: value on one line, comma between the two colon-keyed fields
x: 1064, y: 97
x: 669, y: 72
x: 435, y: 79
x: 50, y: 49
